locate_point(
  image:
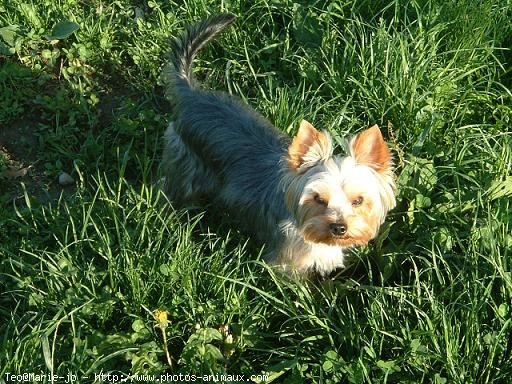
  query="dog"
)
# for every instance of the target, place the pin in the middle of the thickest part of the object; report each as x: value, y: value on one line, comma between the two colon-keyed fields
x: 307, y: 205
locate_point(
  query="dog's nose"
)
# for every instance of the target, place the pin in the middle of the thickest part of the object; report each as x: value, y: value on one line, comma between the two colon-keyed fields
x: 338, y: 229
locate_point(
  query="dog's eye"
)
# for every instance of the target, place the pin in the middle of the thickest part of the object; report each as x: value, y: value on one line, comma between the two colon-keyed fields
x: 319, y: 200
x: 357, y: 202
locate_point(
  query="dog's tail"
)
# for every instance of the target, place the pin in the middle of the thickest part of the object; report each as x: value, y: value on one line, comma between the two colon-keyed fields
x: 185, y: 47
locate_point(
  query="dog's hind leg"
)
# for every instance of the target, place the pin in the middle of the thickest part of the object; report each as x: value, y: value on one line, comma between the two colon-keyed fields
x: 187, y: 178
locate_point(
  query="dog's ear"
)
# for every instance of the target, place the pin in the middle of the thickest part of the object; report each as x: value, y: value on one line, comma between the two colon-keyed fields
x: 369, y: 148
x: 308, y: 147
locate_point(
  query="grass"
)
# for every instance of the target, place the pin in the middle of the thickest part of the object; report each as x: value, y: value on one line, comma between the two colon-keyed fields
x: 101, y: 278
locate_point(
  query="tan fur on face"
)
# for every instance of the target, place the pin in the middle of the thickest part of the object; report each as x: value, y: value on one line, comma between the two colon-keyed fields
x: 316, y: 217
x: 362, y: 225
x: 323, y: 192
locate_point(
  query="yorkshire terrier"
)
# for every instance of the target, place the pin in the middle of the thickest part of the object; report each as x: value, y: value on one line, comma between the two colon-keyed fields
x: 307, y: 205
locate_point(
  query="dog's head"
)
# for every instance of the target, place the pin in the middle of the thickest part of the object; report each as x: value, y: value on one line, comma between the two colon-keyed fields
x: 339, y: 201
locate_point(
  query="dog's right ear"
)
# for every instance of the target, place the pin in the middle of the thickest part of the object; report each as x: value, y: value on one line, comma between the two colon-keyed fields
x: 308, y: 147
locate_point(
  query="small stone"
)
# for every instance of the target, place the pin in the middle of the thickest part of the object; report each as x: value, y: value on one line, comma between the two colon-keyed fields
x: 65, y: 179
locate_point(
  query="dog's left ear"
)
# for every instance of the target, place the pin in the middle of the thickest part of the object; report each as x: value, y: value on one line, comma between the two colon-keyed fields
x: 369, y: 148
x: 308, y: 147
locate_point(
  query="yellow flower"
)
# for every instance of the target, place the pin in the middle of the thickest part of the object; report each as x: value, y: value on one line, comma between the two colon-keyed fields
x: 161, y: 317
